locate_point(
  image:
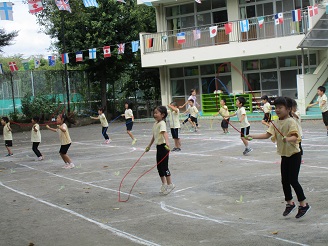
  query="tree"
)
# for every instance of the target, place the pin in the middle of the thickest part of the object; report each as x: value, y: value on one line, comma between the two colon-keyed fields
x: 6, y: 38
x: 110, y: 24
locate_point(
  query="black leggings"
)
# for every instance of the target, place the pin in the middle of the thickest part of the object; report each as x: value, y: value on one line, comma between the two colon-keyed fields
x: 35, y: 149
x: 290, y: 168
x: 104, y: 132
x: 163, y: 167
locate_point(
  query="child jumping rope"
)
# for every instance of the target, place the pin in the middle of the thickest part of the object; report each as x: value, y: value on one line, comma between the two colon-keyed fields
x: 104, y: 124
x: 193, y: 113
x: 7, y: 135
x: 267, y: 111
x: 245, y: 126
x: 224, y: 112
x: 287, y: 138
x: 36, y: 137
x: 297, y: 117
x: 65, y: 140
x: 161, y: 140
x: 193, y: 97
x: 174, y: 125
x: 129, y: 118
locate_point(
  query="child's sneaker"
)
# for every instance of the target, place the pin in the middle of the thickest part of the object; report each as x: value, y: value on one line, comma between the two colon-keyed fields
x: 169, y: 188
x: 134, y: 141
x: 174, y: 149
x: 9, y: 155
x: 40, y: 158
x: 163, y: 189
x: 247, y: 150
x: 66, y: 165
x: 108, y: 141
x: 178, y: 149
x: 289, y: 209
x: 70, y: 166
x: 302, y: 211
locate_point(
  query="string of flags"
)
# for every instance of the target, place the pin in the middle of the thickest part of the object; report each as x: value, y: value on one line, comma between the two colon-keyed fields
x: 35, y: 6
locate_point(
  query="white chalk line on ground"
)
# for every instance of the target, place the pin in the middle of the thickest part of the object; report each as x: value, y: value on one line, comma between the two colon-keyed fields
x: 115, y: 231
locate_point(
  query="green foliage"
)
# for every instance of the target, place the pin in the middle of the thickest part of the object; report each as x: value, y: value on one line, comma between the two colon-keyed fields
x: 41, y: 106
x: 6, y: 38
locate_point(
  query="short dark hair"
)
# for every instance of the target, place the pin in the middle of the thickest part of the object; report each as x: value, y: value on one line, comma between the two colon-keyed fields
x: 36, y: 118
x: 191, y: 100
x: 5, y: 119
x: 322, y: 88
x: 102, y: 109
x: 242, y: 100
x: 294, y: 103
x: 162, y: 110
x: 130, y: 105
x: 173, y: 103
x: 192, y: 90
x: 265, y: 97
x: 223, y: 99
x: 284, y: 101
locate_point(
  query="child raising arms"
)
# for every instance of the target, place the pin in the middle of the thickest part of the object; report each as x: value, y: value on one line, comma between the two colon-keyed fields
x: 36, y: 137
x: 129, y: 118
x: 65, y: 140
x: 101, y: 116
x: 224, y: 112
x: 175, y: 125
x: 161, y: 140
x: 7, y: 135
x: 287, y: 138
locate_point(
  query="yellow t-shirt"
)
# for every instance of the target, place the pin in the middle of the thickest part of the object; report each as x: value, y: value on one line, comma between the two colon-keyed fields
x: 224, y: 111
x: 267, y: 108
x: 103, y: 120
x: 174, y: 118
x: 128, y: 114
x: 7, y: 135
x: 323, y: 103
x: 36, y: 136
x: 159, y: 127
x: 240, y: 112
x: 193, y: 111
x: 287, y: 127
x: 64, y: 136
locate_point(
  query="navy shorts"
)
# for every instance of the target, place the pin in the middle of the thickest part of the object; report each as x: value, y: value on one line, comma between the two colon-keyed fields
x: 8, y: 143
x: 129, y: 124
x: 244, y: 131
x: 193, y: 119
x: 225, y: 123
x: 64, y: 149
x: 325, y: 118
x: 267, y: 117
x: 175, y: 133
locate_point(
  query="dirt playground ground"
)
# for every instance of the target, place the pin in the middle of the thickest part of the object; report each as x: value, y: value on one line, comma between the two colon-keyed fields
x: 221, y: 197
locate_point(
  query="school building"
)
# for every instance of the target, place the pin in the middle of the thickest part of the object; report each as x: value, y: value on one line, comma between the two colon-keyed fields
x: 256, y: 47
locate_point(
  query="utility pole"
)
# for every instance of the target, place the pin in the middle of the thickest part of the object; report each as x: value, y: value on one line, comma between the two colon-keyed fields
x: 12, y: 91
x: 65, y: 65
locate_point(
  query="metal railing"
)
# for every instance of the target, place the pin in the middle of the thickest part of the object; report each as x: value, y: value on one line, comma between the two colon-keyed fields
x: 167, y: 41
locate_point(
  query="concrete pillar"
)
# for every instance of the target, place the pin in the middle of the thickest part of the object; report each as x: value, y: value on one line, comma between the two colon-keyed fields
x: 166, y: 94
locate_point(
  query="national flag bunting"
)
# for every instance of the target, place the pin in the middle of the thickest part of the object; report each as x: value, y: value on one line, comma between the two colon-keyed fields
x: 26, y: 65
x: 213, y: 31
x: 196, y: 34
x: 313, y: 10
x: 13, y: 67
x: 79, y: 56
x: 92, y: 53
x: 63, y: 5
x: 181, y: 37
x: 244, y: 25
x: 65, y: 59
x: 296, y: 14
x: 278, y: 18
x: 135, y: 46
x: 120, y: 48
x: 36, y: 63
x: 228, y: 28
x: 90, y: 3
x: 260, y: 21
x: 149, y: 43
x: 51, y: 61
x: 35, y: 6
x: 106, y: 50
x: 6, y: 11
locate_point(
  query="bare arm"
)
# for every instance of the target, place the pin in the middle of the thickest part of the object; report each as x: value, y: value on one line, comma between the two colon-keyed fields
x: 34, y: 128
x: 151, y: 142
x: 311, y: 105
x: 183, y: 105
x: 50, y: 128
x: 242, y: 118
x: 94, y: 118
x: 291, y: 139
x: 260, y: 136
x: 166, y: 137
x: 173, y: 108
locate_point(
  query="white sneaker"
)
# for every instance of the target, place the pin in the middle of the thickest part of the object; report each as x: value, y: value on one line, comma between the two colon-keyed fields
x: 70, y: 166
x: 163, y: 189
x: 66, y: 165
x: 40, y: 158
x: 134, y: 141
x: 169, y: 188
x: 108, y: 141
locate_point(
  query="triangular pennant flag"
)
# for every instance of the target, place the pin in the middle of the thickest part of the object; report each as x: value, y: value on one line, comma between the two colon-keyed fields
x: 51, y: 61
x: 120, y: 48
x: 63, y: 5
x: 244, y: 26
x: 106, y: 51
x: 26, y: 65
x: 13, y: 67
x: 6, y: 11
x: 260, y: 21
x: 196, y: 34
x: 278, y: 18
x: 135, y: 46
x: 36, y: 63
x: 213, y: 31
x: 65, y: 59
x: 79, y: 56
x: 35, y: 6
x: 92, y: 53
x: 228, y: 28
